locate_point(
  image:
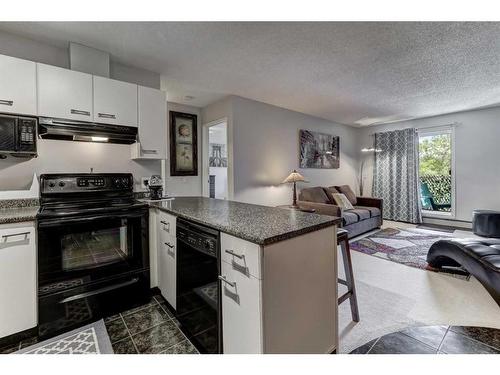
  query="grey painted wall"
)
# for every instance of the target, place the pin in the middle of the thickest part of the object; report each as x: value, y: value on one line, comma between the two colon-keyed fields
x: 477, y: 160
x: 266, y: 148
x: 188, y: 185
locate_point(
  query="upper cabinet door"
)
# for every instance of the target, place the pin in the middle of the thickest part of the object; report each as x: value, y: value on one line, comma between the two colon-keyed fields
x: 17, y: 86
x: 152, y: 123
x: 64, y: 93
x: 115, y: 102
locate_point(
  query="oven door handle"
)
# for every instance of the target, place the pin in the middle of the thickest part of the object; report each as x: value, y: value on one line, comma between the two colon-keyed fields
x: 83, y: 220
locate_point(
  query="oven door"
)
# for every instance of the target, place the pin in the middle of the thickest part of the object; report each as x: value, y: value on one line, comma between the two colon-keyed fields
x: 90, y: 249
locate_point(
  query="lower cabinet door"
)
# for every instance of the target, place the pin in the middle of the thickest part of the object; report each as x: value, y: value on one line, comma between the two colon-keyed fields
x: 167, y: 254
x: 241, y: 311
x: 18, y: 281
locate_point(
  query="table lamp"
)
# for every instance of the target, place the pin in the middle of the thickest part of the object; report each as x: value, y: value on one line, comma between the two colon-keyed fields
x: 294, y: 177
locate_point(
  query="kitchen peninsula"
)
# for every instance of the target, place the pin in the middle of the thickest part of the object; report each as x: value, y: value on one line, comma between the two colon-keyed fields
x: 278, y: 291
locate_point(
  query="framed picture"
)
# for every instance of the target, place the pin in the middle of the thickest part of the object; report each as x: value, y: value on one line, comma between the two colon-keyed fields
x: 319, y: 150
x: 183, y: 144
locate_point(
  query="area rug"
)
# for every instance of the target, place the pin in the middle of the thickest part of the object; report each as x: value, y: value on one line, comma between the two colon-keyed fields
x: 90, y: 339
x: 406, y: 246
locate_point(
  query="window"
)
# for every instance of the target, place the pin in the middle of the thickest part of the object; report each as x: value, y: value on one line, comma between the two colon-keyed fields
x: 436, y: 171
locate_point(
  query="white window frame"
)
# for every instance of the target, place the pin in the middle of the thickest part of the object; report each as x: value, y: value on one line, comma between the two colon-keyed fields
x: 425, y: 132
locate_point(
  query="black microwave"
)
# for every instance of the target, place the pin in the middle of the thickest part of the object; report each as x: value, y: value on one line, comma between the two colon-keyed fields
x: 18, y: 136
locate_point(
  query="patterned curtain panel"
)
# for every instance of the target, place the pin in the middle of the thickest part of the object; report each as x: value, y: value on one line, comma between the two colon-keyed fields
x: 395, y: 175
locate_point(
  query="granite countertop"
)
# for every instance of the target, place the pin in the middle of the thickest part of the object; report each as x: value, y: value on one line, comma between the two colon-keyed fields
x: 18, y: 210
x: 258, y: 224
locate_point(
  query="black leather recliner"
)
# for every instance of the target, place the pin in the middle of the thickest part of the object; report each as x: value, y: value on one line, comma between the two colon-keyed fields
x: 480, y: 257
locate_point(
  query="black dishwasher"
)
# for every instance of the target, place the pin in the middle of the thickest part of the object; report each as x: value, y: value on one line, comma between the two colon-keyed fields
x: 198, y: 286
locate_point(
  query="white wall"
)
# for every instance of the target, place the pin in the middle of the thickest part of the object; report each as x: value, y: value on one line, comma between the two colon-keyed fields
x: 265, y: 145
x: 477, y: 158
x: 185, y: 185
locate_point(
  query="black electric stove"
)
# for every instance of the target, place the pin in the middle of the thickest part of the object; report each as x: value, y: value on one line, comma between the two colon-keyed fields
x: 93, y: 249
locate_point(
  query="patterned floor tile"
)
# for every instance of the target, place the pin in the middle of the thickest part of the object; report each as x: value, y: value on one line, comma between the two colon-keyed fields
x: 116, y: 330
x: 456, y: 343
x: 398, y: 343
x: 488, y: 336
x: 139, y: 308
x: 9, y: 349
x: 146, y: 318
x: 159, y: 338
x: 125, y: 346
x: 184, y: 347
x: 28, y: 342
x: 364, y: 349
x: 430, y: 335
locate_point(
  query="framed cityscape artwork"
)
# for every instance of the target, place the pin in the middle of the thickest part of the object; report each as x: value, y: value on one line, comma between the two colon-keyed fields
x: 319, y: 150
x: 183, y: 144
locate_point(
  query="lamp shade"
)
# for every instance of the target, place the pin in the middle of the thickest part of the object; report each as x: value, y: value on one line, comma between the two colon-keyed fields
x: 294, y: 177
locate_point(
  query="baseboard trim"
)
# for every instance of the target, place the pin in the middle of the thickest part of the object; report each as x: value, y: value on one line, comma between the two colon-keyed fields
x: 448, y: 222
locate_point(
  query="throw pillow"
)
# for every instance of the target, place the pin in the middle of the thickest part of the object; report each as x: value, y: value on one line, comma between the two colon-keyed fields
x: 342, y: 201
x: 347, y: 191
x: 329, y: 191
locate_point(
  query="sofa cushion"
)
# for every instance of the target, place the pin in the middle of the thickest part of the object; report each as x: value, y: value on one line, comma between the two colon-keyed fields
x: 347, y: 191
x: 349, y: 218
x: 314, y: 194
x: 342, y: 201
x: 361, y: 213
x: 374, y: 211
x: 329, y: 192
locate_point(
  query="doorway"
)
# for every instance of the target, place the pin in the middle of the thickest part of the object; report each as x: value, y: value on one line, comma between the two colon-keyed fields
x: 215, y: 156
x: 436, y: 171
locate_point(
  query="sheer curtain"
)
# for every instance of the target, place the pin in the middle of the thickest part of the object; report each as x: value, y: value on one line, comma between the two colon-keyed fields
x: 395, y: 175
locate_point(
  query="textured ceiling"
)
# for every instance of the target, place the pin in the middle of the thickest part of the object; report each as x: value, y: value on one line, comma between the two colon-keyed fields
x: 352, y: 73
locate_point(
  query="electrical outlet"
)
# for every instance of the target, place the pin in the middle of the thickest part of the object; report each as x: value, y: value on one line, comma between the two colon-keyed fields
x: 144, y: 182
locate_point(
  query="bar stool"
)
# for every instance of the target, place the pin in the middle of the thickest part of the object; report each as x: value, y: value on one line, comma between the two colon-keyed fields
x: 343, y: 240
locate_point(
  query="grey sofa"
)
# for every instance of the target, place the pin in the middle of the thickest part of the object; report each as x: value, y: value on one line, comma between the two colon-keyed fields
x: 366, y: 215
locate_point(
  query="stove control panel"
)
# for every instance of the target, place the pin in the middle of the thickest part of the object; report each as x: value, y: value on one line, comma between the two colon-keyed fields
x: 69, y: 183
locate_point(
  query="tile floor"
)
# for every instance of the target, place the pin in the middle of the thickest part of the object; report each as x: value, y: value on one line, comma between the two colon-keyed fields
x: 435, y: 340
x: 147, y: 329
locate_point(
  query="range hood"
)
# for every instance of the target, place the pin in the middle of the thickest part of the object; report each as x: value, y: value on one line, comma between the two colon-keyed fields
x: 68, y: 130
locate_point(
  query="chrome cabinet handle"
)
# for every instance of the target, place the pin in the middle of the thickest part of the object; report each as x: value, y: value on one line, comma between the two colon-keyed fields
x: 7, y: 102
x: 171, y: 246
x: 25, y: 234
x: 239, y: 256
x: 166, y: 224
x: 231, y: 283
x: 144, y: 151
x: 106, y: 115
x: 78, y: 112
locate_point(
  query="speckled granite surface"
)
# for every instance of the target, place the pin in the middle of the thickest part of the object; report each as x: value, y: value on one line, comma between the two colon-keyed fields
x: 258, y: 224
x: 18, y: 215
x: 19, y: 203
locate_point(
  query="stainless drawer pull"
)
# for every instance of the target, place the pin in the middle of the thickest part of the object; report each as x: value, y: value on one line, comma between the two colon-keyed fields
x: 10, y: 103
x: 171, y: 246
x: 167, y: 224
x: 106, y: 115
x: 231, y: 283
x: 239, y: 256
x: 25, y: 234
x: 144, y: 151
x: 78, y: 112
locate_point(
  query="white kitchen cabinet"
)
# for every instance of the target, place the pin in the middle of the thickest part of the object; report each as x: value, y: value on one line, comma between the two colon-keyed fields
x: 64, y: 93
x: 18, y: 278
x: 241, y: 312
x: 152, y: 123
x: 167, y: 257
x: 17, y: 86
x: 115, y: 102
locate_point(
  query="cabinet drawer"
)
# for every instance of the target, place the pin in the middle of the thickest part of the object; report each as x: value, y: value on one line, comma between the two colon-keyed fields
x: 242, y: 255
x: 166, y: 223
x: 241, y: 312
